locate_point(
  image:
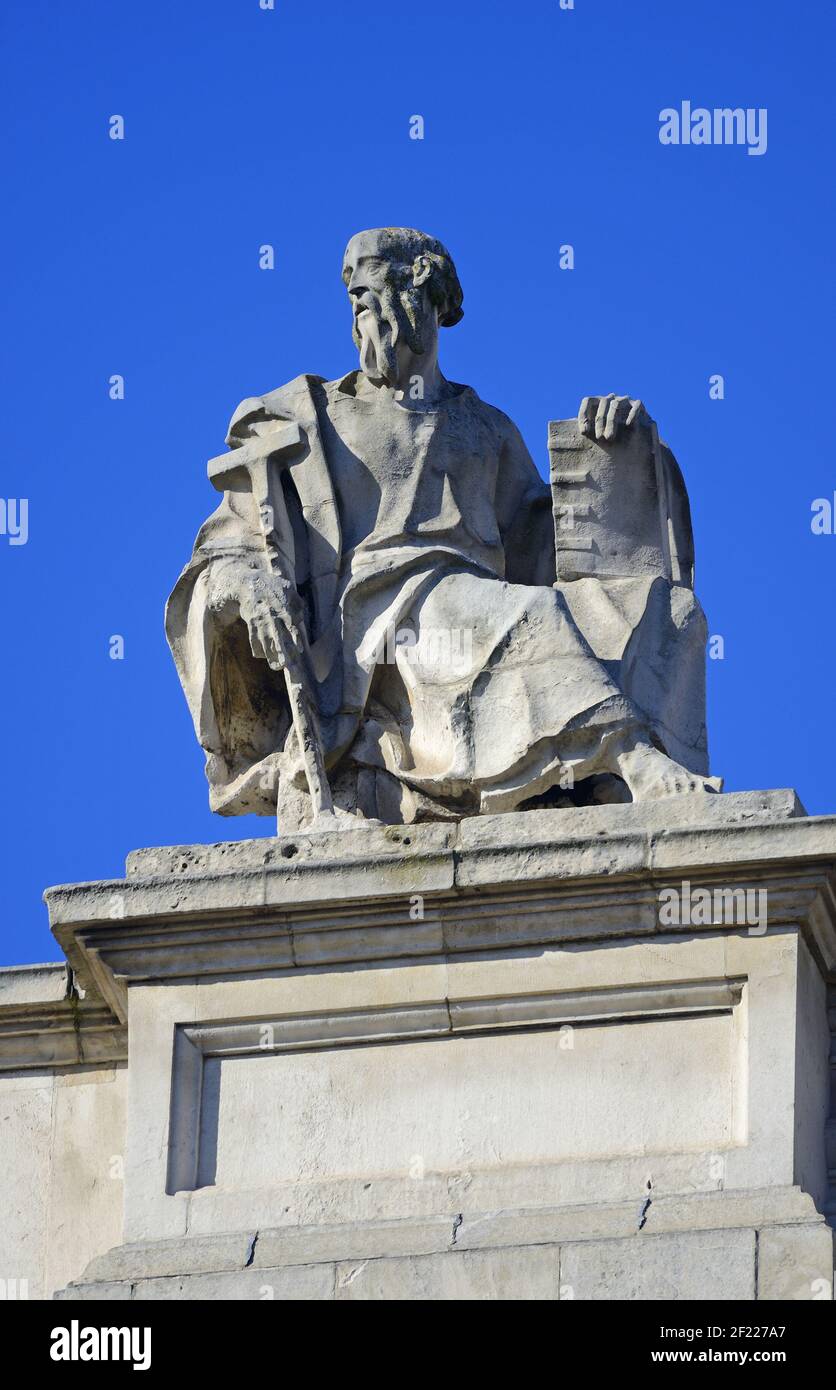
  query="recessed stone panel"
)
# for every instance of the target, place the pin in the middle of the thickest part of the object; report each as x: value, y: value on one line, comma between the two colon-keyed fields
x: 452, y: 1103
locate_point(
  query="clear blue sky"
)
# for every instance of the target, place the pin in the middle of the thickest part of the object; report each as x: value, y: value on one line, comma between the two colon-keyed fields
x: 290, y: 127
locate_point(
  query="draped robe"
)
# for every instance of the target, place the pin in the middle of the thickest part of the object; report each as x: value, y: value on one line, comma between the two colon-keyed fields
x: 449, y: 669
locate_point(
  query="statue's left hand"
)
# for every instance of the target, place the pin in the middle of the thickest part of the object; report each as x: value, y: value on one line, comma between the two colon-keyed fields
x: 605, y: 417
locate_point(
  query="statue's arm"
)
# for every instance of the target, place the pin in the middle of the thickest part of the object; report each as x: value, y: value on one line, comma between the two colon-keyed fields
x: 229, y: 579
x: 243, y: 581
x: 524, y: 515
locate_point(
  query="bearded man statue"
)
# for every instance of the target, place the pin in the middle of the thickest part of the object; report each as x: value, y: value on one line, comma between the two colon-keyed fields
x: 452, y: 672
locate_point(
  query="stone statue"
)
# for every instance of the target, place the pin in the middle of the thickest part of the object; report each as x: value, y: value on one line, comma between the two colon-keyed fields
x: 392, y: 617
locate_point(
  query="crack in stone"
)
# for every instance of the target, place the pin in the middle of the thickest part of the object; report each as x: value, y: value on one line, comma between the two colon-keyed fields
x: 251, y: 1251
x: 645, y: 1206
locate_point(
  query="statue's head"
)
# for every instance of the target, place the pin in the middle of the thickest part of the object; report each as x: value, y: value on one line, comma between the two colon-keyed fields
x: 403, y: 287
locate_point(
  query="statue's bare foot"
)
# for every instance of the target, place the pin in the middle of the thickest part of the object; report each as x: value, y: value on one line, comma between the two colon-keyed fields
x: 650, y: 773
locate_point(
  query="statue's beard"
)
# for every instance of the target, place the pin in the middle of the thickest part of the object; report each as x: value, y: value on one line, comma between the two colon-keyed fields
x: 393, y: 317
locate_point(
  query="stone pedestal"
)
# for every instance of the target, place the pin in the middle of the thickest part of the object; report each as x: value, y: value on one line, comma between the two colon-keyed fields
x: 509, y: 1058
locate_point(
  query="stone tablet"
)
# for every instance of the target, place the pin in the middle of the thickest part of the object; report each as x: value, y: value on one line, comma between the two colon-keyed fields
x: 620, y: 508
x: 391, y: 619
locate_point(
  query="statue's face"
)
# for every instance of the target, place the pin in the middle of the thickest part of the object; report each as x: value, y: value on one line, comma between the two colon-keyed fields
x: 389, y: 309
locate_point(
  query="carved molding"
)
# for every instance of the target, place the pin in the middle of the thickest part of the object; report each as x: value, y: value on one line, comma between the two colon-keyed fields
x: 266, y: 1036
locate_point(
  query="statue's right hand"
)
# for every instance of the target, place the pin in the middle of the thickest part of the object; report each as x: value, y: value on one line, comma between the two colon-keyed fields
x: 270, y: 607
x: 268, y: 604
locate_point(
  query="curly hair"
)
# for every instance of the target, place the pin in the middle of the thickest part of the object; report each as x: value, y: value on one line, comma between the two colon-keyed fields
x: 404, y: 245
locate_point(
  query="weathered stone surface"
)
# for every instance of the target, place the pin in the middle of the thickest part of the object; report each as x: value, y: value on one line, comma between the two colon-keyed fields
x: 46, y: 1022
x: 468, y: 1101
x: 372, y: 1241
x: 371, y: 845
x: 25, y: 1161
x: 363, y: 1241
x: 680, y: 1213
x: 153, y: 1259
x: 796, y: 1262
x: 366, y: 843
x: 62, y: 1128
x: 335, y: 907
x: 388, y: 532
x: 516, y: 1274
x: 85, y: 1193
x: 295, y: 1283
x: 270, y: 1249
x: 717, y: 1015
x: 697, y: 1265
x: 257, y: 1106
x: 483, y: 1275
x: 37, y: 985
x: 103, y: 1292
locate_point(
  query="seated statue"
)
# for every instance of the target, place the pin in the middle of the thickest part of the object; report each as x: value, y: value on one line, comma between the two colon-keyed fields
x: 392, y: 617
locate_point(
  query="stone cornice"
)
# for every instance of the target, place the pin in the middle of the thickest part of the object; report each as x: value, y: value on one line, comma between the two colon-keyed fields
x: 44, y: 1024
x: 524, y: 880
